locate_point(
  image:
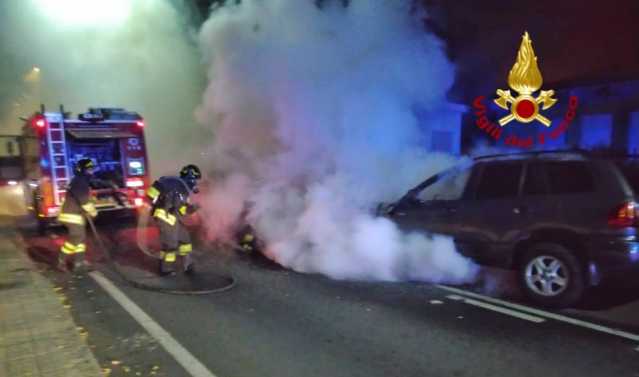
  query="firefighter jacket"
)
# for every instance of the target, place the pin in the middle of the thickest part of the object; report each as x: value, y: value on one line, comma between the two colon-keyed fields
x: 77, y: 201
x: 170, y: 199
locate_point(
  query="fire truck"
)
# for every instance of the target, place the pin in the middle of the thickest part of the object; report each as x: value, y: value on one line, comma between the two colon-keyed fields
x: 113, y: 138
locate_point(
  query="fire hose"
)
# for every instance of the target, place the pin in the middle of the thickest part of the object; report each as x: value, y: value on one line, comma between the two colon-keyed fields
x: 141, y: 285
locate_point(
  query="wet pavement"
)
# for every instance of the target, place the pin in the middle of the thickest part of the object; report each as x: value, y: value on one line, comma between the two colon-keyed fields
x: 38, y: 335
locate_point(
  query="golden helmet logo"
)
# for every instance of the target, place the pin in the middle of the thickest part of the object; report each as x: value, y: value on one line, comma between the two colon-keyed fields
x: 525, y: 78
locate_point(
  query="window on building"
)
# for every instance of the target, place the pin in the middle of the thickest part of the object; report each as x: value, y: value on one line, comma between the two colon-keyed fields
x: 633, y: 133
x: 596, y: 131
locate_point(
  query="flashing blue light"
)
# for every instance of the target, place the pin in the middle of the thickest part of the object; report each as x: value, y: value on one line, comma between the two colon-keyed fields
x: 44, y: 163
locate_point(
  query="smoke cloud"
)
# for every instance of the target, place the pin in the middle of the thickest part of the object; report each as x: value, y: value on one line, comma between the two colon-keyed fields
x: 141, y: 55
x: 313, y: 112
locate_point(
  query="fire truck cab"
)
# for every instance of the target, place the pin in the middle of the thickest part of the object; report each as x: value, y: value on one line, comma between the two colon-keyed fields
x: 112, y: 137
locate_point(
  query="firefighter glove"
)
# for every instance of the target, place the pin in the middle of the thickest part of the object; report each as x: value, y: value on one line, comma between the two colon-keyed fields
x: 90, y: 209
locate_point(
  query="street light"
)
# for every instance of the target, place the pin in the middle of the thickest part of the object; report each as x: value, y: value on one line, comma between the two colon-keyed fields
x: 33, y: 76
x: 85, y: 12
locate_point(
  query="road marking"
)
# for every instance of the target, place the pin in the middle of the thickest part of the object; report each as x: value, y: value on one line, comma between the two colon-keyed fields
x: 545, y: 314
x: 498, y: 309
x: 181, y: 354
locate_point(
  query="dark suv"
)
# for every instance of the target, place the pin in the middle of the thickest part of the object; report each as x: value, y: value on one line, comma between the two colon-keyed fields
x: 561, y: 219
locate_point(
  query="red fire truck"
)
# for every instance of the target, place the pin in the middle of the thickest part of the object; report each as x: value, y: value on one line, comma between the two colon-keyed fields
x: 112, y: 137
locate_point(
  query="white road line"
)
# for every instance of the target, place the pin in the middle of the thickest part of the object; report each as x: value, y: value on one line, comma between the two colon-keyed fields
x: 545, y: 314
x: 181, y: 354
x: 498, y: 309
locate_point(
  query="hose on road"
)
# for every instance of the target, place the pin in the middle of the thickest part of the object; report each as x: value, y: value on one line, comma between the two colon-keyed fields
x: 229, y: 283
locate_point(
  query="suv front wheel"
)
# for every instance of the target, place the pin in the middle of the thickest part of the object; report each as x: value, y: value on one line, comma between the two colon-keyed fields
x: 551, y: 275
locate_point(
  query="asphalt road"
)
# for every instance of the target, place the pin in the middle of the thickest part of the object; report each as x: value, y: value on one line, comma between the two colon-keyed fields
x: 280, y: 323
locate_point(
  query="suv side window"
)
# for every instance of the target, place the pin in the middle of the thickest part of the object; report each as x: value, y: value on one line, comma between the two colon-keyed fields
x: 569, y: 177
x: 534, y: 180
x: 499, y: 180
x: 630, y: 170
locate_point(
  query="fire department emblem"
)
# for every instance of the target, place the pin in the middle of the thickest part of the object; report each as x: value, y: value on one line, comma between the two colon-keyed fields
x: 525, y: 79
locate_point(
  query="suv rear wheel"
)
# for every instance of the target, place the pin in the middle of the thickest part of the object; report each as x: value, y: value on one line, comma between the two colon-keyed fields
x: 551, y: 275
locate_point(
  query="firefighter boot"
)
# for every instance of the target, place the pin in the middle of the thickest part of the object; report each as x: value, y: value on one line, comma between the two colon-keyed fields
x: 167, y: 268
x: 189, y: 266
x: 62, y: 263
x: 167, y: 264
x: 80, y: 264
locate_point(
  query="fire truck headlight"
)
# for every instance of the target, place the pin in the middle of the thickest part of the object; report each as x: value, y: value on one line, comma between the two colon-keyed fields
x: 133, y: 182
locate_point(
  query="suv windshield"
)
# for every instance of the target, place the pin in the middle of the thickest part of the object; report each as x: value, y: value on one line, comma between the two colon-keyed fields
x: 449, y: 185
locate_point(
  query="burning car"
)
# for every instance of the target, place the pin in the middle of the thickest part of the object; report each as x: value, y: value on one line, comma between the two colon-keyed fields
x: 563, y: 220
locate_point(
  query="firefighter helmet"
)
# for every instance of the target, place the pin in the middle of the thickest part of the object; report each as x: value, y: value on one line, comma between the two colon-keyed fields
x: 190, y: 174
x: 83, y: 165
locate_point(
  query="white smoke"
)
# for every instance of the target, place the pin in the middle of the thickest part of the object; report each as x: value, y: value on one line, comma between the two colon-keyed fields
x: 313, y: 114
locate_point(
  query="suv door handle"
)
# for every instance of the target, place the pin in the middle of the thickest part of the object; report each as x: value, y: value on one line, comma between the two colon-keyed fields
x: 520, y: 210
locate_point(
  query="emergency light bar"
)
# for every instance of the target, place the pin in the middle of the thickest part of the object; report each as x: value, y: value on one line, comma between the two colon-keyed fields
x: 109, y: 113
x: 91, y: 117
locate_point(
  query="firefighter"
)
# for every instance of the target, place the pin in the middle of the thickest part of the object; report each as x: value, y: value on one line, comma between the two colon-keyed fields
x: 245, y: 234
x: 77, y: 202
x: 170, y: 198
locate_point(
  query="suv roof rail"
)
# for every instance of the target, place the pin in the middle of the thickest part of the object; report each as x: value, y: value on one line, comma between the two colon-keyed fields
x: 535, y: 153
x: 615, y: 154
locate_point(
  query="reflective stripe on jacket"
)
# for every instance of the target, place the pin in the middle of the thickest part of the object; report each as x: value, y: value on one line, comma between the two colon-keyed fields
x: 163, y: 215
x: 153, y: 194
x: 71, y: 218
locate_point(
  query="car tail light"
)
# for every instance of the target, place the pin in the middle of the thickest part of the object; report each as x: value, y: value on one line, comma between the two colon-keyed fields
x: 625, y: 215
x: 134, y: 182
x: 139, y: 123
